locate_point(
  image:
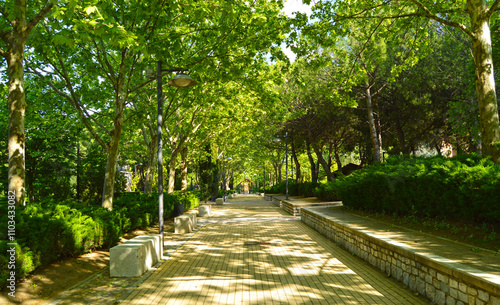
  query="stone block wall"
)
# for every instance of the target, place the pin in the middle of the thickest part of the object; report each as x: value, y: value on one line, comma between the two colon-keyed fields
x: 440, y: 280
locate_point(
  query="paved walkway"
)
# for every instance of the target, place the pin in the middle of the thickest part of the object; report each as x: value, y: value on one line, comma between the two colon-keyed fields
x: 251, y: 252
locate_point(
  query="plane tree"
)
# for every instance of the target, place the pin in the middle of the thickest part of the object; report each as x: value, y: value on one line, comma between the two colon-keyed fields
x: 472, y: 17
x: 98, y: 65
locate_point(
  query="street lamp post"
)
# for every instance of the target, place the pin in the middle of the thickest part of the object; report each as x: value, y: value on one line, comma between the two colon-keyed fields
x: 180, y: 80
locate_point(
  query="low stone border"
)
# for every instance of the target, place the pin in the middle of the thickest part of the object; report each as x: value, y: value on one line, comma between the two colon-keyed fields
x: 441, y: 280
x: 294, y: 208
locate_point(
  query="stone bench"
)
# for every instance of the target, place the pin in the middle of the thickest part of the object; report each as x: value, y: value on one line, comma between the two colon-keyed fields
x: 183, y: 224
x: 219, y: 201
x: 193, y: 219
x: 135, y: 256
x: 204, y: 210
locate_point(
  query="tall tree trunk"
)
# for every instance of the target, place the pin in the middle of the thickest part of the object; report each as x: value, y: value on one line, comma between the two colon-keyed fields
x: 110, y: 174
x: 15, y: 40
x: 150, y: 168
x: 322, y: 161
x: 17, y: 106
x: 337, y: 157
x: 184, y: 169
x: 330, y: 154
x: 314, y: 171
x: 377, y: 150
x: 485, y: 81
x: 171, y: 173
x: 112, y: 147
x: 151, y: 142
x: 298, y: 174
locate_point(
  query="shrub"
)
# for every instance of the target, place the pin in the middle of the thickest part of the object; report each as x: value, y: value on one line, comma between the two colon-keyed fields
x: 306, y: 189
x: 189, y: 199
x: 50, y: 230
x: 327, y: 191
x: 465, y: 187
x: 25, y: 262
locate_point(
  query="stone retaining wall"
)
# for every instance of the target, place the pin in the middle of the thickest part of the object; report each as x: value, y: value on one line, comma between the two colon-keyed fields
x: 287, y: 206
x: 442, y: 281
x: 294, y: 209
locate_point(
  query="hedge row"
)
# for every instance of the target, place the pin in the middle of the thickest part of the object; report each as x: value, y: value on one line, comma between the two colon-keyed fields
x: 50, y: 231
x: 305, y: 189
x: 465, y: 187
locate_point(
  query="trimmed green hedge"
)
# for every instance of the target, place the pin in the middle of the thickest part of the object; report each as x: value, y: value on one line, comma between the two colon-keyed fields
x: 305, y: 189
x: 327, y: 191
x: 50, y: 231
x: 465, y: 187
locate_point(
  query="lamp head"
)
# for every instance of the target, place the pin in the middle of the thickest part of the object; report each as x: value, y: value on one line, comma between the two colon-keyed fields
x: 277, y: 140
x: 182, y: 80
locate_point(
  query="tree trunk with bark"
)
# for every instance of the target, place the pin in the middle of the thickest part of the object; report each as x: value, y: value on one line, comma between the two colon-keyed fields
x: 15, y: 41
x: 314, y: 171
x: 17, y: 106
x: 485, y: 81
x: 322, y: 161
x: 171, y: 173
x: 337, y: 156
x: 298, y: 174
x: 150, y: 167
x: 112, y: 147
x: 184, y: 169
x: 401, y: 138
x: 374, y: 136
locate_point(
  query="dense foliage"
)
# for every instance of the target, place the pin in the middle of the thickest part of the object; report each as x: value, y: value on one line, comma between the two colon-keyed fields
x: 49, y: 230
x: 305, y: 189
x: 463, y: 188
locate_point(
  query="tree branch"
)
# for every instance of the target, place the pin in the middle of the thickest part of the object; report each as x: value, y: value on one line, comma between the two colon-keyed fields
x: 4, y: 35
x: 4, y: 13
x: 493, y: 8
x: 74, y: 103
x: 4, y: 54
x: 429, y: 14
x: 38, y: 17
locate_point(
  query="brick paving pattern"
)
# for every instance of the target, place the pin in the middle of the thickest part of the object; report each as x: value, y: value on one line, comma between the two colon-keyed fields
x: 250, y: 252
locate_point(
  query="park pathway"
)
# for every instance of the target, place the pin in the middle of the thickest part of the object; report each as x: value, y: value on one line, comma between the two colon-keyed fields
x: 250, y: 252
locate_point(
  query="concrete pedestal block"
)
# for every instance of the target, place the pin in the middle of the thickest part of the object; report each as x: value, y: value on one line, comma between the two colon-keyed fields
x: 219, y: 201
x: 193, y: 219
x: 183, y: 224
x: 204, y: 210
x: 131, y: 259
x: 156, y: 239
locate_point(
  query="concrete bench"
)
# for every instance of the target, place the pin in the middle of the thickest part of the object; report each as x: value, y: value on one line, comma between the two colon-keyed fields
x: 204, y: 210
x: 183, y: 224
x: 193, y: 219
x: 135, y: 256
x: 219, y: 201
